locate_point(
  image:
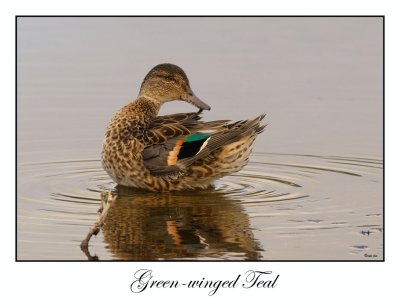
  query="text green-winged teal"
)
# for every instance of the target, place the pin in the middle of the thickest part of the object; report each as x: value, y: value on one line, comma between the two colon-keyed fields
x: 173, y: 152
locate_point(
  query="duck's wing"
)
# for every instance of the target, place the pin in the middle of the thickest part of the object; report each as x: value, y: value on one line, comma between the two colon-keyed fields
x: 180, y: 150
x: 175, y: 137
x: 233, y: 132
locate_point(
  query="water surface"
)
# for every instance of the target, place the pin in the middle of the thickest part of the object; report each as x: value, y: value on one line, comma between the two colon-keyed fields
x: 278, y: 207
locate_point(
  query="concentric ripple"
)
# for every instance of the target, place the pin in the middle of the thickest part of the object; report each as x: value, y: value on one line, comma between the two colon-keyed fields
x: 307, y: 202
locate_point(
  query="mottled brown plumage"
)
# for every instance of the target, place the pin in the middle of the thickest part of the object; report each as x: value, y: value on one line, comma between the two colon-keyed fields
x: 173, y: 152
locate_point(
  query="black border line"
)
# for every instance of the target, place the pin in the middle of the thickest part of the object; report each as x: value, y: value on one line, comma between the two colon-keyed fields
x: 210, y: 16
x: 16, y: 138
x: 383, y: 137
x: 200, y: 16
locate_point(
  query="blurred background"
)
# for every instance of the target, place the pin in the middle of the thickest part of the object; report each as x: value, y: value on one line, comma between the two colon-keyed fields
x: 318, y: 79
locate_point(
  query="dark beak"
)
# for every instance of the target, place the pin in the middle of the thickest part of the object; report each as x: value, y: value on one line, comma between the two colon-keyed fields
x: 194, y: 100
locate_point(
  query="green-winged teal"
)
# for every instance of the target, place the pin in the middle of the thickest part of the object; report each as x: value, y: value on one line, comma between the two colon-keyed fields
x: 173, y: 152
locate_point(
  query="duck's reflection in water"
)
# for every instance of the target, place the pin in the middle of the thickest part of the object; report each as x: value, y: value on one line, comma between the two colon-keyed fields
x: 205, y: 224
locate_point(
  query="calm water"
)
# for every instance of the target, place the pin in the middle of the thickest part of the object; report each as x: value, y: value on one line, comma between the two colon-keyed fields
x: 313, y: 189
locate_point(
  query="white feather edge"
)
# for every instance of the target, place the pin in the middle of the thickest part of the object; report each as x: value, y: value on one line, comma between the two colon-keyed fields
x: 203, y: 145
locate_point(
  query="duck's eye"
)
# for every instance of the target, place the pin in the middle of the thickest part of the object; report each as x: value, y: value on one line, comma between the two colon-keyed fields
x: 169, y: 78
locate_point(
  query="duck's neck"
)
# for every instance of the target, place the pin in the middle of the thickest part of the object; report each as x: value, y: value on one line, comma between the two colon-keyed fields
x: 146, y: 108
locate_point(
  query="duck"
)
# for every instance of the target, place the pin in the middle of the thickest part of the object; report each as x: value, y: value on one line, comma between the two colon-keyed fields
x: 174, y: 152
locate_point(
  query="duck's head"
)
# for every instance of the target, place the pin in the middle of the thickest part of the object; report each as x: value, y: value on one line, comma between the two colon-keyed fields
x: 168, y: 82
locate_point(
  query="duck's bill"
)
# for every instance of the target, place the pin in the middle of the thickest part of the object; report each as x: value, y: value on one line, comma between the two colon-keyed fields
x: 194, y: 100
